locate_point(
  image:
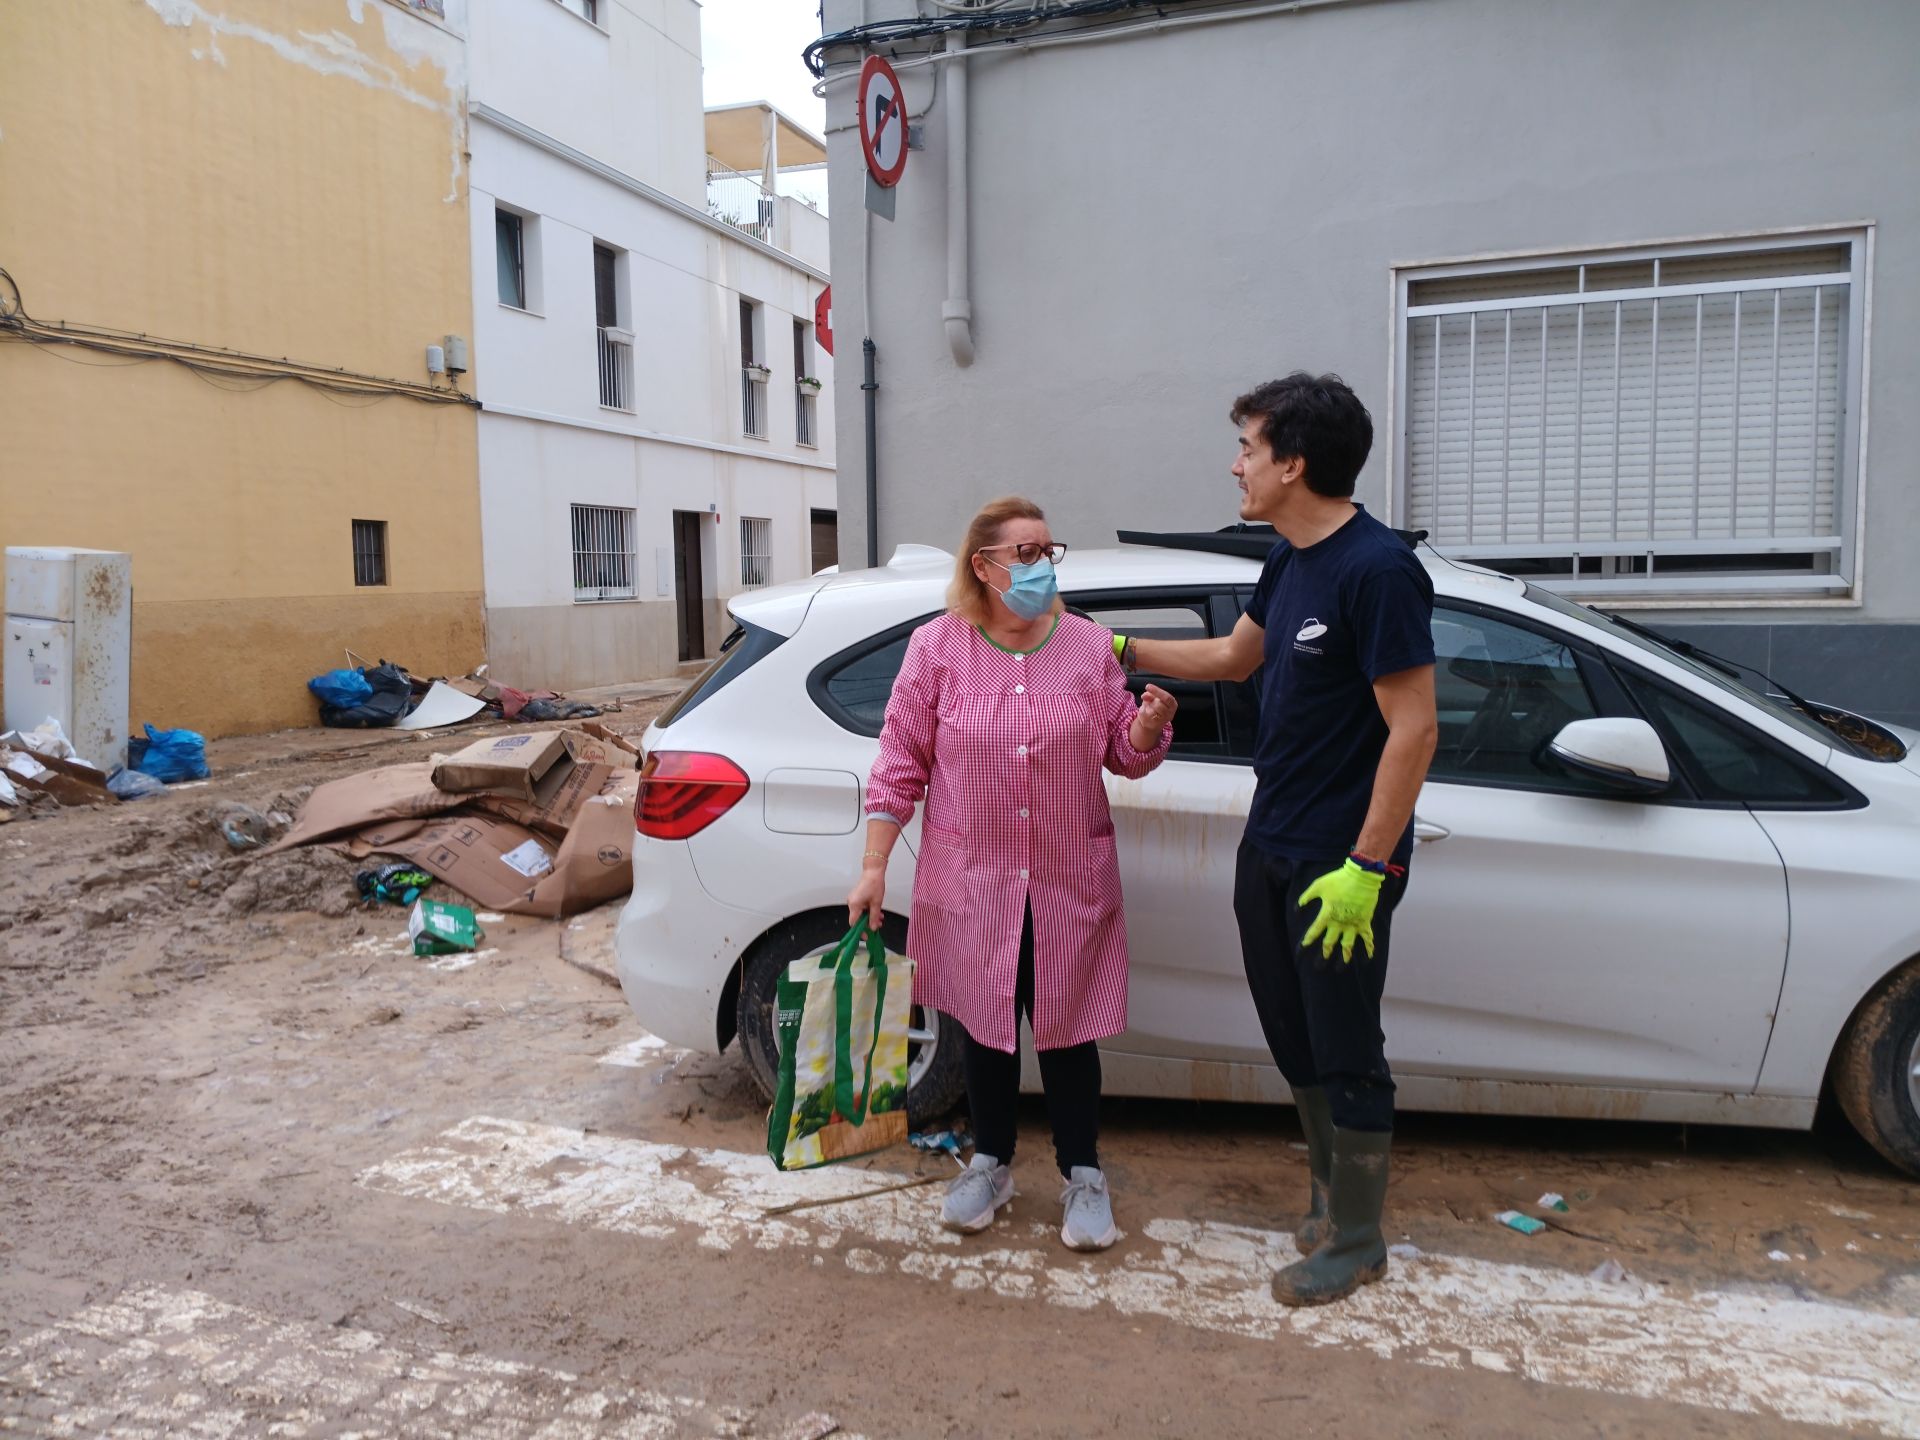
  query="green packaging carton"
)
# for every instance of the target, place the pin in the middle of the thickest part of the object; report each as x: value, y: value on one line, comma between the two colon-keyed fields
x: 438, y: 928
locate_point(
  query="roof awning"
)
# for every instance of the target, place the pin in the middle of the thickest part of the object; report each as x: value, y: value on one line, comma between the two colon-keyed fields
x: 741, y: 136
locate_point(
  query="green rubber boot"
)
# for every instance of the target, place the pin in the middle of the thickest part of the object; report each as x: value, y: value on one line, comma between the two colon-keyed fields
x: 1316, y: 1123
x: 1357, y: 1253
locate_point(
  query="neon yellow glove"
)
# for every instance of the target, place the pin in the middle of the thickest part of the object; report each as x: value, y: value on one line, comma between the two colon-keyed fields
x: 1347, y: 899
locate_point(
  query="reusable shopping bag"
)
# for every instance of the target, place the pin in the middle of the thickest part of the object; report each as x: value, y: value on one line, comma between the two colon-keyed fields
x: 842, y: 1024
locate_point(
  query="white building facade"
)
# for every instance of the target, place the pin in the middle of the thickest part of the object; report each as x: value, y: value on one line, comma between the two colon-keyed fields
x: 657, y: 432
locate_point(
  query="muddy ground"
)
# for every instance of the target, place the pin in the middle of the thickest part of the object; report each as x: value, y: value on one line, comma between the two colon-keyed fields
x: 261, y: 1167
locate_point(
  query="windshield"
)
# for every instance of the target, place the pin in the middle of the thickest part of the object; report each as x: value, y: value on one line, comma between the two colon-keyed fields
x: 1774, y: 707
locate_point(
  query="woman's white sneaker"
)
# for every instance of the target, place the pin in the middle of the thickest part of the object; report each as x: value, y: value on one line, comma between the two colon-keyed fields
x: 1088, y: 1223
x: 975, y: 1194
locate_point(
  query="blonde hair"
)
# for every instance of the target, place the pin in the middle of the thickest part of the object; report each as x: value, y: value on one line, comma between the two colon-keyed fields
x: 968, y: 597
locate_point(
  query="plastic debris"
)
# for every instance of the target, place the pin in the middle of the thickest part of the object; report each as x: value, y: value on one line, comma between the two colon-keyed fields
x: 1525, y: 1224
x: 1609, y: 1272
x: 397, y: 884
x: 1779, y: 1255
x: 245, y: 828
x: 1553, y: 1200
x: 170, y: 755
x: 952, y: 1142
x: 132, y: 784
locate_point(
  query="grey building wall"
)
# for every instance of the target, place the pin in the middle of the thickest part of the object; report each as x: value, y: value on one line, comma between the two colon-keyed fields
x: 1158, y: 222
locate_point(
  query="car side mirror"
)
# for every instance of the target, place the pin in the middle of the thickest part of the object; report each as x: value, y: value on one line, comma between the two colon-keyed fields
x: 1624, y: 754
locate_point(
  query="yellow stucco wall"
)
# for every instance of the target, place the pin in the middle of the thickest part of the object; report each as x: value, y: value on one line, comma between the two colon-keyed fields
x: 284, y: 177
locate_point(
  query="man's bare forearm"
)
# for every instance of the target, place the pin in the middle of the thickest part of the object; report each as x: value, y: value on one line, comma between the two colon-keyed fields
x: 1189, y: 659
x: 1396, y: 789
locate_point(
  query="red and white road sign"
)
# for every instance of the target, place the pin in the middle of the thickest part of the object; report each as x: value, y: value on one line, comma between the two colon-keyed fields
x: 883, y: 121
x: 823, y: 320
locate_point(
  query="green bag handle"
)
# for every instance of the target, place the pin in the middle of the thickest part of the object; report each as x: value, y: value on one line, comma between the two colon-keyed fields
x: 843, y: 1017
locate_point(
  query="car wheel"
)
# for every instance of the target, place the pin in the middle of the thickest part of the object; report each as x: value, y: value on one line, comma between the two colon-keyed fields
x: 1877, y: 1077
x: 935, y: 1078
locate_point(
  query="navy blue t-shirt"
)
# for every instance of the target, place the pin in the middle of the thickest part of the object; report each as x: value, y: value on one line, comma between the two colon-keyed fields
x: 1338, y: 615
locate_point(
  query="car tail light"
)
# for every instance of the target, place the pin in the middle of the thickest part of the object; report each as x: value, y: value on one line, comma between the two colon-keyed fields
x: 684, y: 791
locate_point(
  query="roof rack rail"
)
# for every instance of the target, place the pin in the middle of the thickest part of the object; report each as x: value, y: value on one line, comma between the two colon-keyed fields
x: 1252, y: 541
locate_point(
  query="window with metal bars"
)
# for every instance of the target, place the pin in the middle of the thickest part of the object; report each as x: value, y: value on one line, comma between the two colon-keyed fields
x: 369, y: 552
x: 603, y: 555
x: 1663, y: 422
x: 756, y: 551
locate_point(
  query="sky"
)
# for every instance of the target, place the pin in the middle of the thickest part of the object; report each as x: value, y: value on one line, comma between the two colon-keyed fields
x: 752, y: 52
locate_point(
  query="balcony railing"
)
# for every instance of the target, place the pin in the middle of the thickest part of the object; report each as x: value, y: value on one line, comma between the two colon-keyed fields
x: 803, y: 416
x: 616, y: 368
x: 740, y: 200
x: 753, y: 402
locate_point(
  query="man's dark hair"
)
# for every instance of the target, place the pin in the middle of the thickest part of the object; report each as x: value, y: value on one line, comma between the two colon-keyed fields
x: 1319, y: 419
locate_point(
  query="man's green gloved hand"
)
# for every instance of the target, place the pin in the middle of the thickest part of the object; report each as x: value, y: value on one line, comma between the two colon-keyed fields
x: 1347, y: 899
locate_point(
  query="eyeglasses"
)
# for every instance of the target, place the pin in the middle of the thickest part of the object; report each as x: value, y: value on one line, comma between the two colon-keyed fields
x: 1029, y: 554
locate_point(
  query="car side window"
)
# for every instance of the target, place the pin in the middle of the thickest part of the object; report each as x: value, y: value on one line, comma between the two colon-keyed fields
x: 1503, y: 692
x: 1724, y: 759
x: 1197, y: 727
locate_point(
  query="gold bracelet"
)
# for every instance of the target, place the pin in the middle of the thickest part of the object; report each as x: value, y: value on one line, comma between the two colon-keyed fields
x: 873, y: 855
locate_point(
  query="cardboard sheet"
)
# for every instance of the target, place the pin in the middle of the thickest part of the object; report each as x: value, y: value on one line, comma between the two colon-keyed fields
x: 441, y: 705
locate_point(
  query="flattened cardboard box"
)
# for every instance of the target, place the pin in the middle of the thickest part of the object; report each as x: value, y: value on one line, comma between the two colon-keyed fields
x: 394, y: 792
x: 511, y: 765
x: 508, y: 867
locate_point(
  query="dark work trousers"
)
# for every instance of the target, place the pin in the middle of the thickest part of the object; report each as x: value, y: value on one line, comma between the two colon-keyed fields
x: 1071, y: 1078
x: 1321, y: 1017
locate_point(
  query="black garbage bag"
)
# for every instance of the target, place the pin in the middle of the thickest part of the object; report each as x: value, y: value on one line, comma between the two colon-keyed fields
x: 392, y: 697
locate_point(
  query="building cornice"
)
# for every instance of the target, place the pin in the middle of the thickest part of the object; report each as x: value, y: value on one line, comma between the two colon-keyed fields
x: 560, y: 150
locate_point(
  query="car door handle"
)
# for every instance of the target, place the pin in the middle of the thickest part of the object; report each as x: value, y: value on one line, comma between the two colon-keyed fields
x: 1425, y: 830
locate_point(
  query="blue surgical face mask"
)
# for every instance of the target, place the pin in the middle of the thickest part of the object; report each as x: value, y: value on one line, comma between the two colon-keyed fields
x: 1033, y: 590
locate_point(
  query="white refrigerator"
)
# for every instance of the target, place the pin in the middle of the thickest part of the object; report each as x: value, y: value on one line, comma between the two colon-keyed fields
x: 69, y: 646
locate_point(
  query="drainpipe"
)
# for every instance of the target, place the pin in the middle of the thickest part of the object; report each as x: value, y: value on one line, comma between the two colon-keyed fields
x: 869, y: 385
x: 957, y: 312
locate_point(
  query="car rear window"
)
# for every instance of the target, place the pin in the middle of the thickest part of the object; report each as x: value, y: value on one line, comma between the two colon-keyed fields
x: 746, y: 647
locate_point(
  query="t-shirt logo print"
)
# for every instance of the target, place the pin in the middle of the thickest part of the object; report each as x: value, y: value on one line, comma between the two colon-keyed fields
x: 1312, y: 630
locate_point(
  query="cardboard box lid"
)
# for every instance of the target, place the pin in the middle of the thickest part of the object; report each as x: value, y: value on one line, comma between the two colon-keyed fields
x: 504, y: 764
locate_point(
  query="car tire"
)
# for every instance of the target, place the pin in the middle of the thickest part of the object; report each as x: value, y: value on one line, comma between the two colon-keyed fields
x: 940, y: 1081
x: 1876, y: 1076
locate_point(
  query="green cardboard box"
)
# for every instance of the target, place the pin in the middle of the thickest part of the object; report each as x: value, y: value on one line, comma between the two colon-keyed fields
x: 438, y: 928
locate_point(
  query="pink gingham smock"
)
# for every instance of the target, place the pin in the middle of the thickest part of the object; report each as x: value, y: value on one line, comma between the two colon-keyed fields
x: 1007, y: 750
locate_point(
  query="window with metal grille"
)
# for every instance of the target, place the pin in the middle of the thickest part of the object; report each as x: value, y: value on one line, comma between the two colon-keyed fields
x: 615, y: 340
x: 1675, y: 421
x: 806, y: 387
x: 369, y: 552
x: 753, y: 374
x: 603, y: 559
x: 756, y: 551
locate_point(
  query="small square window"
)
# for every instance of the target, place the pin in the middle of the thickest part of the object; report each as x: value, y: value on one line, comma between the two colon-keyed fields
x: 369, y: 552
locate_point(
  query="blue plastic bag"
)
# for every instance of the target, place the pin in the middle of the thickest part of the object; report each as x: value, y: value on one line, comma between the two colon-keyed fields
x: 174, y: 755
x: 132, y: 784
x: 341, y: 689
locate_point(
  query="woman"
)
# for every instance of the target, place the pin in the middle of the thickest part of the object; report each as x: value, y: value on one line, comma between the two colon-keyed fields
x: 1004, y: 712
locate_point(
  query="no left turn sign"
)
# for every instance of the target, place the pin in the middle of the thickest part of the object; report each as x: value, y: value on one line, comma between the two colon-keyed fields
x: 883, y: 121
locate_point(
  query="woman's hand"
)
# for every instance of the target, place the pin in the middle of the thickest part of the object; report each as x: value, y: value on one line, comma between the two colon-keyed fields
x: 868, y: 895
x: 1156, y: 713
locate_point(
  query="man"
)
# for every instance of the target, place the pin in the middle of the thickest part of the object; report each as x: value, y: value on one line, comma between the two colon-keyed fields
x: 1341, y: 627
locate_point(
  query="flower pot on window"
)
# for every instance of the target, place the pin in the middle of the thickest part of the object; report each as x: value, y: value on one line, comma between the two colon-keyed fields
x: 757, y: 372
x: 808, y: 385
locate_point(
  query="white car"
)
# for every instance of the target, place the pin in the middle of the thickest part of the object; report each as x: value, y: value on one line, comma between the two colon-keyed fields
x: 1642, y: 889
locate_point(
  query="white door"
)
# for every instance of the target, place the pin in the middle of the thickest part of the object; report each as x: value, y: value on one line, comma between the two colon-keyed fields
x: 1554, y: 932
x: 1177, y: 832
